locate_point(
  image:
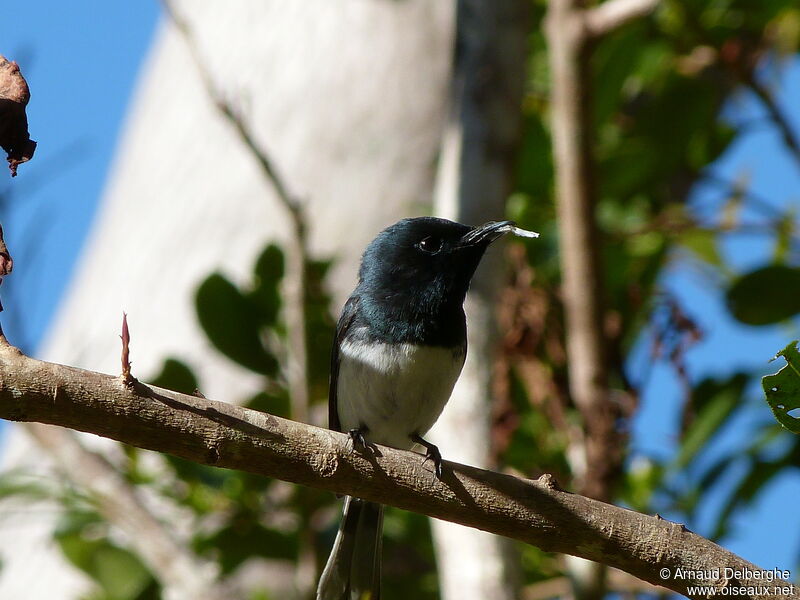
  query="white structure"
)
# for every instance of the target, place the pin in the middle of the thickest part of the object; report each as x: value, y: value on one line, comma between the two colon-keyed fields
x: 348, y: 98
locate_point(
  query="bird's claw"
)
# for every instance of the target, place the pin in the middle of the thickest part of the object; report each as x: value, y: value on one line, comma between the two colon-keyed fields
x: 357, y: 438
x: 432, y: 453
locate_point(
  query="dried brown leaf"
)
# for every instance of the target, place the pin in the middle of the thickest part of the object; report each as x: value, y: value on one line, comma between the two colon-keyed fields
x: 14, y: 96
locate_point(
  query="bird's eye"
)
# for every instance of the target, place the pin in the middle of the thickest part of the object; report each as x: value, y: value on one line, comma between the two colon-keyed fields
x: 430, y: 245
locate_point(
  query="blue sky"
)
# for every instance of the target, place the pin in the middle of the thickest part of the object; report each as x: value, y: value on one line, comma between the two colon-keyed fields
x: 81, y: 59
x: 729, y: 346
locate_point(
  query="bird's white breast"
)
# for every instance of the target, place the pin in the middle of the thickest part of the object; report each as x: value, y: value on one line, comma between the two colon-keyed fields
x: 394, y: 390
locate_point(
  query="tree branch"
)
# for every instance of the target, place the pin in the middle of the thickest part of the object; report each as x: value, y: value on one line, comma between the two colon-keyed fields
x: 775, y: 113
x: 6, y: 262
x: 579, y: 247
x: 229, y: 436
x: 297, y: 255
x: 604, y: 18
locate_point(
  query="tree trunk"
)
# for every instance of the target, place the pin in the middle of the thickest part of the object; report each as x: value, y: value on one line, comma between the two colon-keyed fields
x: 474, y: 180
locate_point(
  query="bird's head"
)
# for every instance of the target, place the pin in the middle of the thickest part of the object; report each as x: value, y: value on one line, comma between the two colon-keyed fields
x: 423, y: 265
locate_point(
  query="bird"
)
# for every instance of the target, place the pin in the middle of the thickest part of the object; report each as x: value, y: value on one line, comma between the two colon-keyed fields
x: 399, y: 348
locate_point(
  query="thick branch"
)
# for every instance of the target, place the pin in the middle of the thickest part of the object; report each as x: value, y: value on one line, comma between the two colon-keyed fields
x: 229, y: 436
x: 580, y: 245
x: 608, y: 16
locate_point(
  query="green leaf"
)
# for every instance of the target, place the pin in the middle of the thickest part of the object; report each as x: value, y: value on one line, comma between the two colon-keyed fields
x: 714, y: 401
x: 765, y: 296
x: 245, y: 538
x: 17, y: 482
x: 177, y: 376
x: 642, y: 479
x: 233, y: 323
x: 267, y: 274
x: 703, y: 243
x: 783, y: 389
x: 273, y: 403
x: 119, y: 573
x: 320, y: 327
x: 784, y: 234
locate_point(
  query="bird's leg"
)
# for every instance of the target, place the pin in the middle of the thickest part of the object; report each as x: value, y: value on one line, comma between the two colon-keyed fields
x: 431, y: 452
x: 357, y: 437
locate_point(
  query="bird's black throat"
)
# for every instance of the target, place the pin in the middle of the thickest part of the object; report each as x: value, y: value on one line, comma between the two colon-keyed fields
x: 427, y: 321
x: 413, y: 280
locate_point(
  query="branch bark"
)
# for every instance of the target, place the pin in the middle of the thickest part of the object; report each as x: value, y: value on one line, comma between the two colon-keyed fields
x: 229, y: 436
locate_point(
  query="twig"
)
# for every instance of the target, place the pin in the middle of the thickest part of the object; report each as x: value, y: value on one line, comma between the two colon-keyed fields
x: 6, y: 262
x: 740, y: 61
x: 297, y: 254
x: 230, y: 436
x: 127, y: 378
x: 604, y: 18
x: 733, y: 188
x: 775, y: 113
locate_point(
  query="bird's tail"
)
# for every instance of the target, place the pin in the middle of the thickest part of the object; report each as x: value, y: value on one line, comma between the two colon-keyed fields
x: 353, y: 571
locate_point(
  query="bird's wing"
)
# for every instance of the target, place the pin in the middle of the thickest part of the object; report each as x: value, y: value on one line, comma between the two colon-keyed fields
x: 345, y: 322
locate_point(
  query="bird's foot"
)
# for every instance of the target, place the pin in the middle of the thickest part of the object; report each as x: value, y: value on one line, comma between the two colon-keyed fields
x: 431, y: 453
x: 357, y: 437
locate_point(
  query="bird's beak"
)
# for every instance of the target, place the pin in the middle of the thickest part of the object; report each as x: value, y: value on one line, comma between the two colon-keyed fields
x: 487, y: 233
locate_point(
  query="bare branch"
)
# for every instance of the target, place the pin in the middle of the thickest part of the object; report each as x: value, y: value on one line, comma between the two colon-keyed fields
x: 229, y: 436
x: 297, y: 254
x: 740, y: 60
x: 776, y: 115
x: 613, y: 14
x: 6, y: 262
x: 569, y: 29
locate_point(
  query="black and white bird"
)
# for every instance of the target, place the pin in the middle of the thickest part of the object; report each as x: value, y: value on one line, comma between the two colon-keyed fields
x: 400, y: 345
